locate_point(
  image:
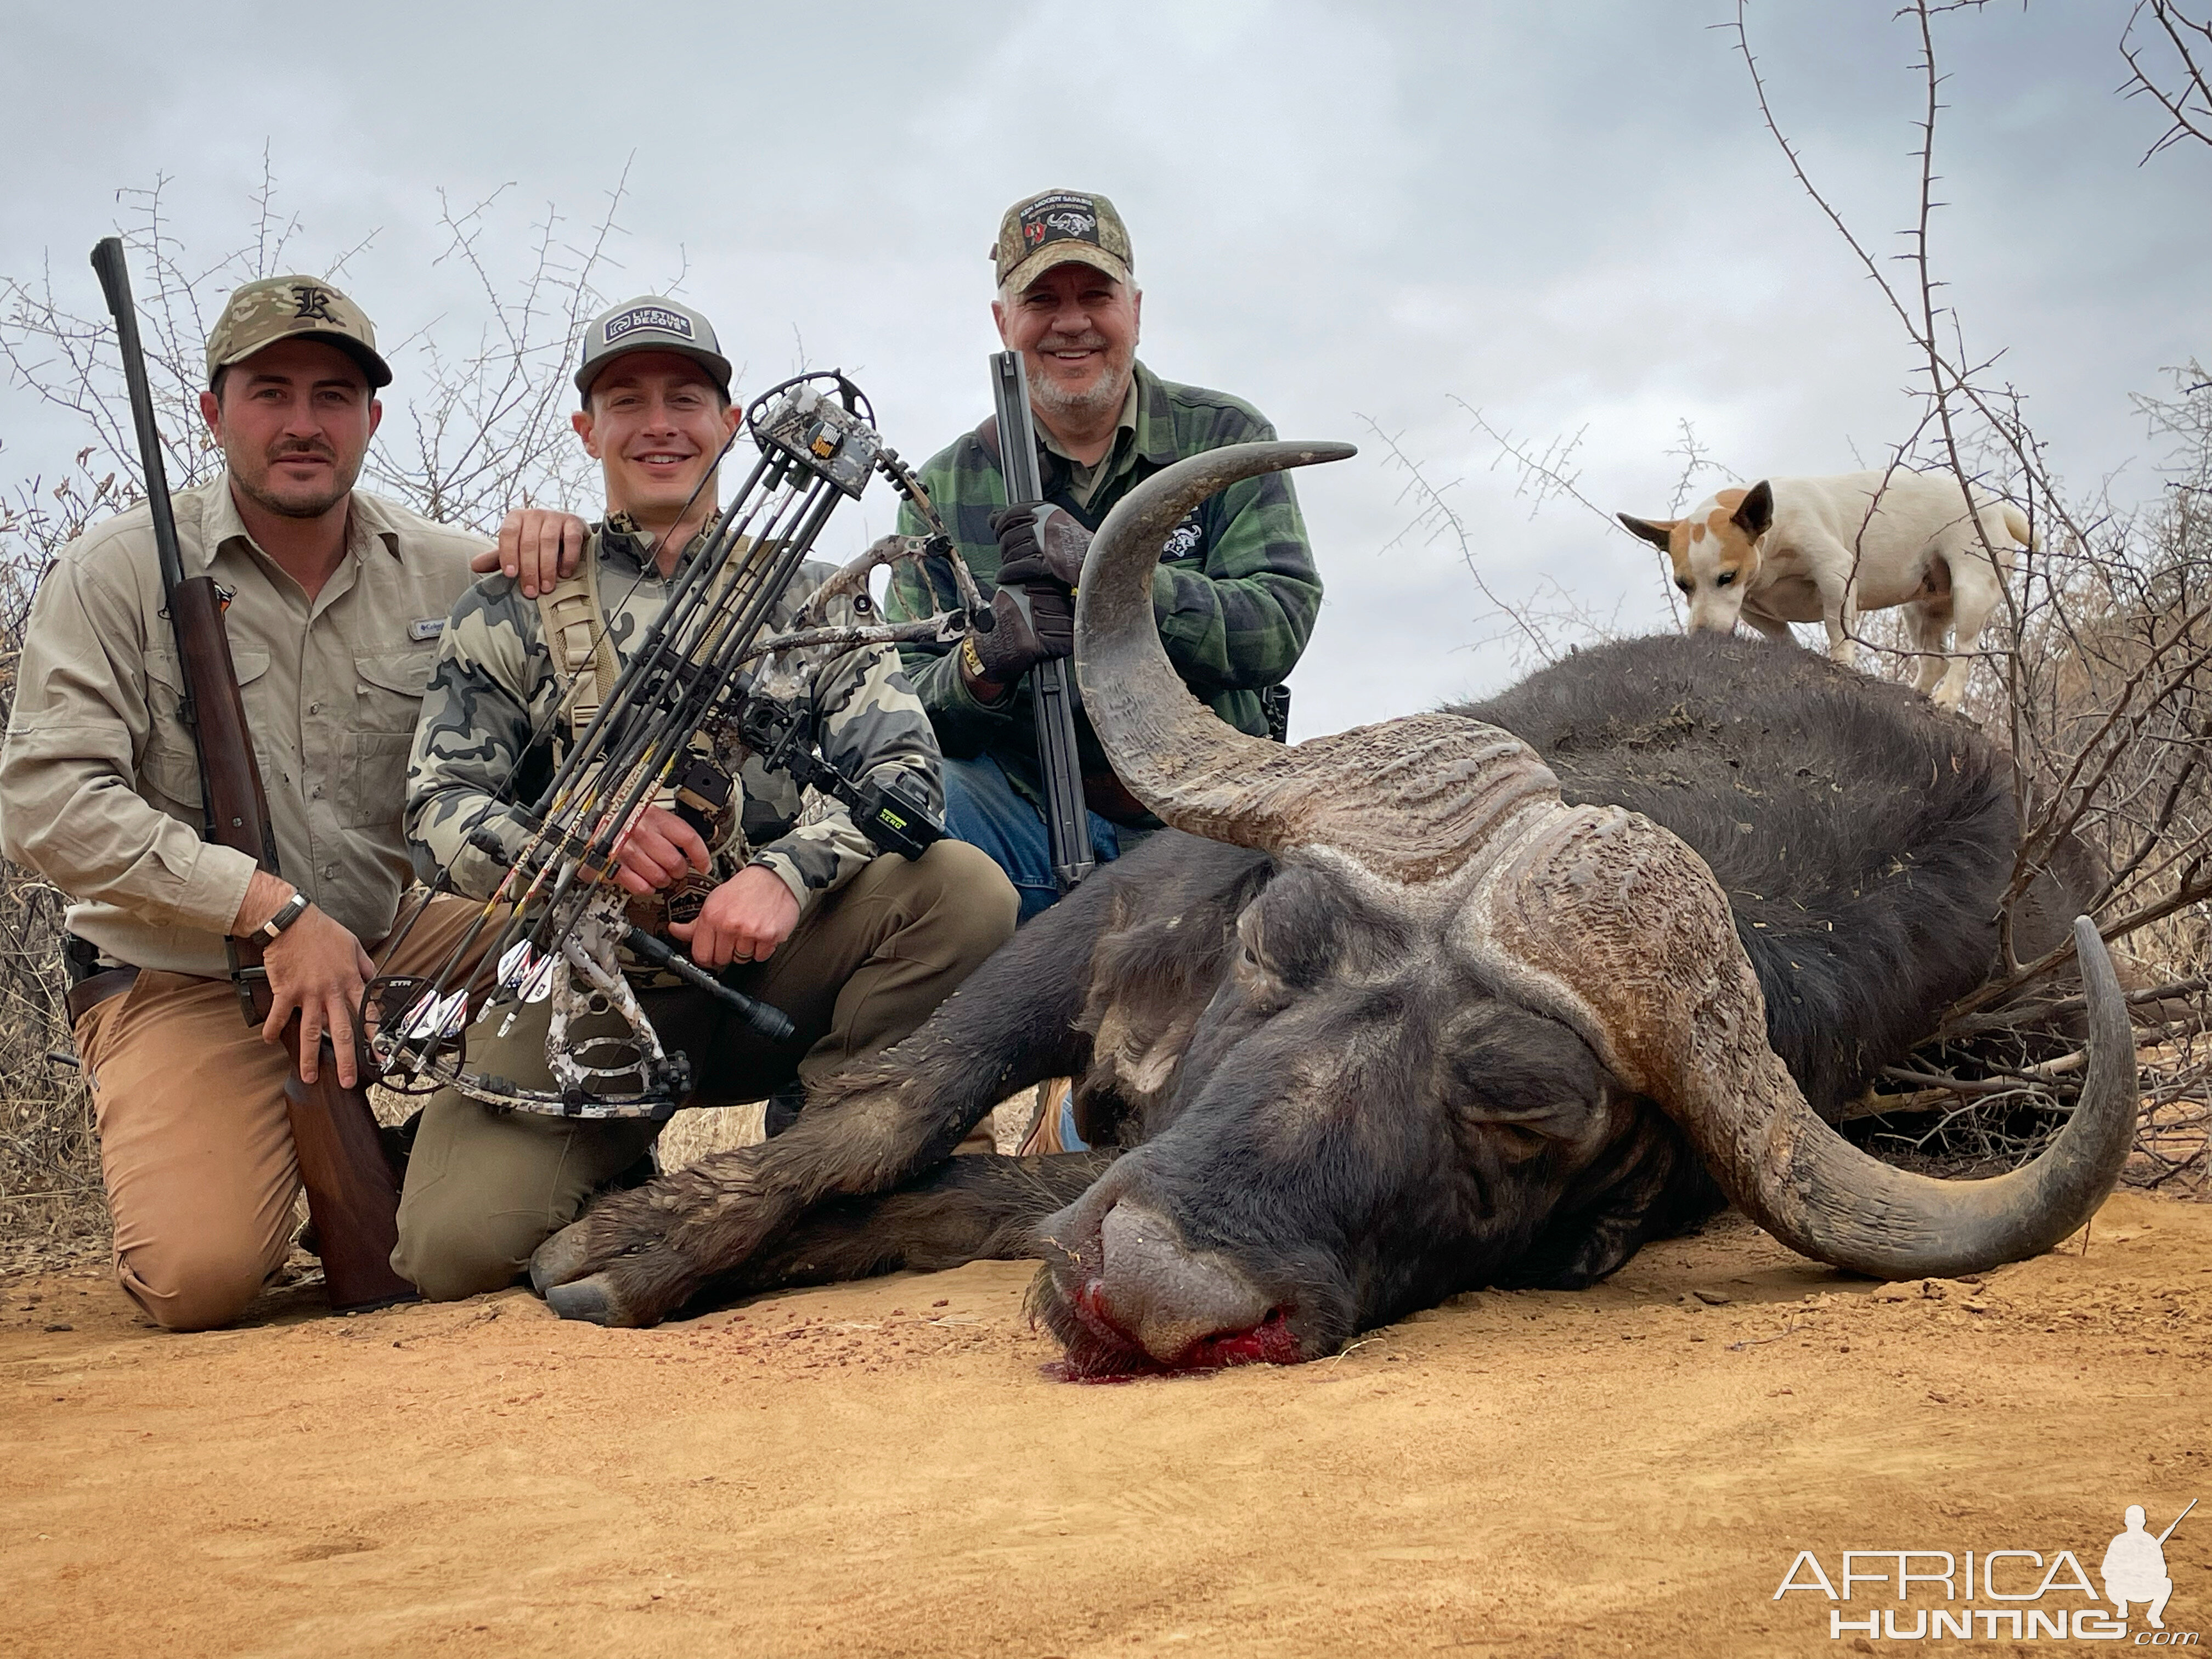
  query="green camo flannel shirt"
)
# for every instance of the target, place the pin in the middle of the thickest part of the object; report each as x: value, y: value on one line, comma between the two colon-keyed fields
x: 1234, y: 592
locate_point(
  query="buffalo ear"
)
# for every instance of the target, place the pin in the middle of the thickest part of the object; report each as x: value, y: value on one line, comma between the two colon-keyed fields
x: 1657, y: 533
x: 1754, y: 515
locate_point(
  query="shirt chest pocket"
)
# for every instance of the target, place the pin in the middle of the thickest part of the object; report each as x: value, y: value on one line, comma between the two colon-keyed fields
x: 387, y: 699
x: 169, y: 770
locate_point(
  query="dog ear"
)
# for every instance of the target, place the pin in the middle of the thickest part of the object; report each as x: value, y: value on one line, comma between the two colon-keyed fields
x: 1658, y: 534
x: 1754, y: 514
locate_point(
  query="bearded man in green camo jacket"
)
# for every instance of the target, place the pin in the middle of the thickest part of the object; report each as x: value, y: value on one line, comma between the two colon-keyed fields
x: 857, y: 948
x: 1236, y: 592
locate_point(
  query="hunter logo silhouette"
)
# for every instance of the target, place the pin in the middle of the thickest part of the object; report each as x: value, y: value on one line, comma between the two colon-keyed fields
x: 2134, y: 1568
x: 313, y: 302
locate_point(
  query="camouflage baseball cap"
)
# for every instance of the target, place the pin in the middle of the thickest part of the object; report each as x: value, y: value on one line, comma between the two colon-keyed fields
x: 286, y: 307
x: 650, y: 323
x: 1055, y: 228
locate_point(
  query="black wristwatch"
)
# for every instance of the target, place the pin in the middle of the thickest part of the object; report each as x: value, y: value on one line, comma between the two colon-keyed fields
x: 286, y: 912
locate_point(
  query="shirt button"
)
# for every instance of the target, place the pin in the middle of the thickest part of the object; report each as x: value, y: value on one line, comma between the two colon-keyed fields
x: 314, y: 709
x: 329, y: 872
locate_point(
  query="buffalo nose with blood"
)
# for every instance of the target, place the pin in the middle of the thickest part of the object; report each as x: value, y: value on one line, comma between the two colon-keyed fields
x: 1181, y: 1310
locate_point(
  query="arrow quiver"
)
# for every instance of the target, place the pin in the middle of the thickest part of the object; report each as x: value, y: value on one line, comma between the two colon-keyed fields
x: 706, y: 687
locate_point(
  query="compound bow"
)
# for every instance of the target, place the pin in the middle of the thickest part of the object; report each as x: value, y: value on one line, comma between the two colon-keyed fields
x: 704, y: 688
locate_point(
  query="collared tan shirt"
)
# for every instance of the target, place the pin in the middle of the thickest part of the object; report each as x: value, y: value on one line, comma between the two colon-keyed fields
x: 99, y: 788
x: 1083, y: 478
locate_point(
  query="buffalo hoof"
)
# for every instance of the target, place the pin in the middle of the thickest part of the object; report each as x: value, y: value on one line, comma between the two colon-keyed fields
x: 594, y: 1300
x: 560, y: 1258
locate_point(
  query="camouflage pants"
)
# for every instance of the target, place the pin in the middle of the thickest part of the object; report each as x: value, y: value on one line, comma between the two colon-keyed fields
x: 866, y: 966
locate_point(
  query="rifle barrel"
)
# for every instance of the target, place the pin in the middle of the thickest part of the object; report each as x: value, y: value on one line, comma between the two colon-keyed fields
x: 1053, y: 695
x: 115, y: 283
x: 2177, y: 1520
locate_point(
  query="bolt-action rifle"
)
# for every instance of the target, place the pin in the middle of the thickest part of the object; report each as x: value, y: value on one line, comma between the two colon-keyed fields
x: 352, y: 1192
x: 707, y: 687
x: 1052, y: 690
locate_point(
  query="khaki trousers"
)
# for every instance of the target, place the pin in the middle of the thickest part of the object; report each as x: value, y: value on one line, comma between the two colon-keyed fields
x: 195, y: 1143
x: 865, y: 967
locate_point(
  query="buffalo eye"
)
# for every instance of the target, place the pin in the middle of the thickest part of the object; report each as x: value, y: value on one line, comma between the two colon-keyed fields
x: 1252, y: 969
x: 1724, y: 579
x: 1518, y: 1142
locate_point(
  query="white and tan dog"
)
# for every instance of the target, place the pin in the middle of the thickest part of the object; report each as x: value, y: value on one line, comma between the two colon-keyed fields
x: 1823, y: 549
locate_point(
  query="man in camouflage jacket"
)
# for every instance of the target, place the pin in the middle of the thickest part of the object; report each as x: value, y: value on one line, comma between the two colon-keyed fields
x: 1236, y: 591
x: 857, y: 948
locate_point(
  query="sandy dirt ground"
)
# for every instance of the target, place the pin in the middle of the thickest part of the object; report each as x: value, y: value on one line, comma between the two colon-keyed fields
x: 883, y: 1468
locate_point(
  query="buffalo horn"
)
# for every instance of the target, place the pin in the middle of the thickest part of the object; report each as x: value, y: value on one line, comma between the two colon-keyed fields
x: 1623, y: 930
x: 1410, y: 799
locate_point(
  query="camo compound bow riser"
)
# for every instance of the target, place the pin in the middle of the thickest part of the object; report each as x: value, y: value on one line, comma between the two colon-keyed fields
x: 703, y: 689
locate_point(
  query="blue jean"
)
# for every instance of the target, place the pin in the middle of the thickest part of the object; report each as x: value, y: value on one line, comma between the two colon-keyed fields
x: 981, y: 808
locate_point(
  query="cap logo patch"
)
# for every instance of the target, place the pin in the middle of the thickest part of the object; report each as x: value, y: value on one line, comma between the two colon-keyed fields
x: 313, y: 302
x: 638, y: 317
x: 1059, y: 218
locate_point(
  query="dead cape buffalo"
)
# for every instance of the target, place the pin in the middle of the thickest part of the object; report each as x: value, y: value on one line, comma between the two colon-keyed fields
x: 1488, y: 996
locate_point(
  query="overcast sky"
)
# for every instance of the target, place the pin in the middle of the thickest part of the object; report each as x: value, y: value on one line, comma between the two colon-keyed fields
x: 1567, y: 216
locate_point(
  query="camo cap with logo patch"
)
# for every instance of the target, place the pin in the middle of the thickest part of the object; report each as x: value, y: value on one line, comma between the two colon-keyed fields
x: 288, y: 308
x: 1055, y: 228
x: 650, y: 323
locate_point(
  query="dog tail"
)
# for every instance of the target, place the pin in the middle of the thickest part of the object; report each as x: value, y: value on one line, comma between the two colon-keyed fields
x: 2016, y: 526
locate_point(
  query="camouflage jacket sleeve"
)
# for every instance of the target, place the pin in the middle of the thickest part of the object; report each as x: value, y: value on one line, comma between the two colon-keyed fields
x: 493, y: 683
x: 867, y: 722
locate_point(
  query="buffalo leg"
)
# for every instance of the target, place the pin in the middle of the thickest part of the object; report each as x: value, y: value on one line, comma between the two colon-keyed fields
x: 966, y: 1209
x: 637, y: 1256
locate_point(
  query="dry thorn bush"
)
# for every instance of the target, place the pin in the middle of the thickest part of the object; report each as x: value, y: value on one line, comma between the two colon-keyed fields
x: 2097, y: 675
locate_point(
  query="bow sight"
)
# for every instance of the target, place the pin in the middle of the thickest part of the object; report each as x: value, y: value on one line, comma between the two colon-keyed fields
x: 703, y: 689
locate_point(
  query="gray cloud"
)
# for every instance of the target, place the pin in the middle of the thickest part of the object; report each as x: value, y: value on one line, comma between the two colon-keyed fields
x: 1567, y: 216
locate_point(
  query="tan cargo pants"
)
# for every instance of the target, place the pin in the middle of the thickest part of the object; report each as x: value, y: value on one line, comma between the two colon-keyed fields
x: 195, y: 1143
x: 864, y: 967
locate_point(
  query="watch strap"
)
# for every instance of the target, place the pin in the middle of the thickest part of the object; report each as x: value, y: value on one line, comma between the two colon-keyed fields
x: 286, y: 912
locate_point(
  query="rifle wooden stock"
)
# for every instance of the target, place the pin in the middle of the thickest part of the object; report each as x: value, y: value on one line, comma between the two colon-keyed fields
x: 351, y: 1192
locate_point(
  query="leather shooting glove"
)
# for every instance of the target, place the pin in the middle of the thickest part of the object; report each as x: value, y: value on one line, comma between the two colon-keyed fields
x: 1022, y: 636
x: 1039, y: 544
